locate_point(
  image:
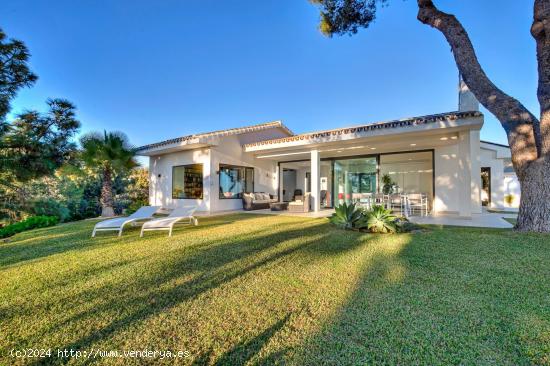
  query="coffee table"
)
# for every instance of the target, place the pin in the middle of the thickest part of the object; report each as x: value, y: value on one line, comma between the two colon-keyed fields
x: 279, y: 206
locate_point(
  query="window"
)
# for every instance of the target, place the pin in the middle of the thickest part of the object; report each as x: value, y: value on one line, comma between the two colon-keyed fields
x: 354, y: 179
x: 187, y: 181
x: 407, y: 173
x: 234, y: 180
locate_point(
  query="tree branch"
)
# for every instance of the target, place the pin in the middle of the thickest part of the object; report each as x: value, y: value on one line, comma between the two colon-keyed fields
x: 541, y: 33
x: 521, y: 126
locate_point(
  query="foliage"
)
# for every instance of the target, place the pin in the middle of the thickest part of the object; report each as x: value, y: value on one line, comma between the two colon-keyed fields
x: 49, y: 207
x: 137, y: 187
x: 346, y: 216
x: 346, y: 16
x: 14, y: 73
x: 509, y: 199
x: 387, y: 184
x: 28, y: 224
x: 33, y: 145
x: 131, y: 191
x: 36, y: 144
x: 378, y: 220
x: 403, y: 225
x: 107, y: 151
x: 108, y: 154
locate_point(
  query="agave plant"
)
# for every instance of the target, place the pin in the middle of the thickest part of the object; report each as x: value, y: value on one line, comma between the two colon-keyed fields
x: 346, y: 216
x: 378, y: 220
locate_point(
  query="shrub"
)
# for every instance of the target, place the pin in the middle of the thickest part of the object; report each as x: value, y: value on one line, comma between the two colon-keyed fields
x: 387, y: 184
x: 378, y: 220
x: 346, y: 216
x: 32, y: 222
x: 405, y: 226
x: 49, y: 207
x: 509, y: 199
x: 135, y: 205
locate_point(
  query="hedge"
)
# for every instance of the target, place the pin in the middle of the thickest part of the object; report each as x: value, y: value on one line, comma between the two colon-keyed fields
x: 28, y: 224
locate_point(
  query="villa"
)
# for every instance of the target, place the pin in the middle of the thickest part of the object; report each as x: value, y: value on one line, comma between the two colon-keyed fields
x: 439, y: 156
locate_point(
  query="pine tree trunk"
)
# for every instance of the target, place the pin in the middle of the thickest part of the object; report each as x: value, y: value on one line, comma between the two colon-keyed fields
x: 534, y: 209
x: 107, y: 194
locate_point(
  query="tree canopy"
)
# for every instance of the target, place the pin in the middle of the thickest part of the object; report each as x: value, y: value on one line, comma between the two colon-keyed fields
x: 36, y: 144
x: 32, y: 144
x: 108, y: 153
x: 14, y: 72
x: 346, y: 16
x: 108, y: 149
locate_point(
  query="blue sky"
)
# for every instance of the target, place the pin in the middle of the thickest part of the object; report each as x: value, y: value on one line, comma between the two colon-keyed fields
x: 161, y: 69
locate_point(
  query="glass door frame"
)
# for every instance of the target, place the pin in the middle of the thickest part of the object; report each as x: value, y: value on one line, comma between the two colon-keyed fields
x: 349, y: 157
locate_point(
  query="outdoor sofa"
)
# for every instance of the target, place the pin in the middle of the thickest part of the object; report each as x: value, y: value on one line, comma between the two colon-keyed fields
x: 257, y: 201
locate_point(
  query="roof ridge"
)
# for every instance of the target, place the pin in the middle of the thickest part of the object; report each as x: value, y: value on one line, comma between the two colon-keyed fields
x: 229, y: 131
x: 374, y: 125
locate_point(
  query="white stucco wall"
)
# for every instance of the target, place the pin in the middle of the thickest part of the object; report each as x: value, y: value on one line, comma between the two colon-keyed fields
x: 446, y: 180
x: 160, y: 187
x: 512, y: 187
x: 230, y: 151
x: 458, y: 176
x: 226, y: 150
x: 501, y: 184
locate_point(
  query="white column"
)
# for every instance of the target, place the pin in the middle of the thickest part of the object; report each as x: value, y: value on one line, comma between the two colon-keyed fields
x: 280, y: 176
x: 315, y: 178
x: 464, y: 175
x: 475, y: 194
x: 153, y: 181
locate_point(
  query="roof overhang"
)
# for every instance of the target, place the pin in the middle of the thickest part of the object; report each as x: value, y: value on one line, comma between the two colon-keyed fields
x: 189, y: 144
x: 206, y: 139
x: 417, y: 128
x: 502, y: 151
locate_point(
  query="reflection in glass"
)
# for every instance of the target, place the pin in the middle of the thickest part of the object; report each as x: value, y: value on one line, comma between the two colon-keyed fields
x: 354, y: 179
x: 408, y: 173
x: 235, y: 180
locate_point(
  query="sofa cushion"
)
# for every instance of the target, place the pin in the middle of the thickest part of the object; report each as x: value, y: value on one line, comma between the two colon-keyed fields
x: 296, y: 203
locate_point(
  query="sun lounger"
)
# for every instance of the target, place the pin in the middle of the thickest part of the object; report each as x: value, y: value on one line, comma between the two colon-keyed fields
x: 117, y: 224
x: 184, y: 214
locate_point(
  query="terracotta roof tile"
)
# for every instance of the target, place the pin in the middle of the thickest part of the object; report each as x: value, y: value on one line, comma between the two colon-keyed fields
x: 414, y: 121
x: 231, y: 131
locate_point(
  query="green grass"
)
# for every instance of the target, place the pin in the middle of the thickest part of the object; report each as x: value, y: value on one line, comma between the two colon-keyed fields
x: 251, y: 289
x: 510, y: 220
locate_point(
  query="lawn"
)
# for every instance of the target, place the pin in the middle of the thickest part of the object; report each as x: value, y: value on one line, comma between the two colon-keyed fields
x: 251, y: 289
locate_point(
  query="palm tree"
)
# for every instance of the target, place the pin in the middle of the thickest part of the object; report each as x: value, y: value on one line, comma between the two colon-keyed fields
x: 109, y: 153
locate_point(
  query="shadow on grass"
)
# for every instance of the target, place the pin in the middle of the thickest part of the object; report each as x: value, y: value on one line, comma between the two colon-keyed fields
x: 244, y: 351
x: 40, y: 243
x: 214, y: 265
x: 441, y: 301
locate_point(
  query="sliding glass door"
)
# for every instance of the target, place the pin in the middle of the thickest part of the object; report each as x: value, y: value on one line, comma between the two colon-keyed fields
x: 354, y: 179
x: 407, y: 173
